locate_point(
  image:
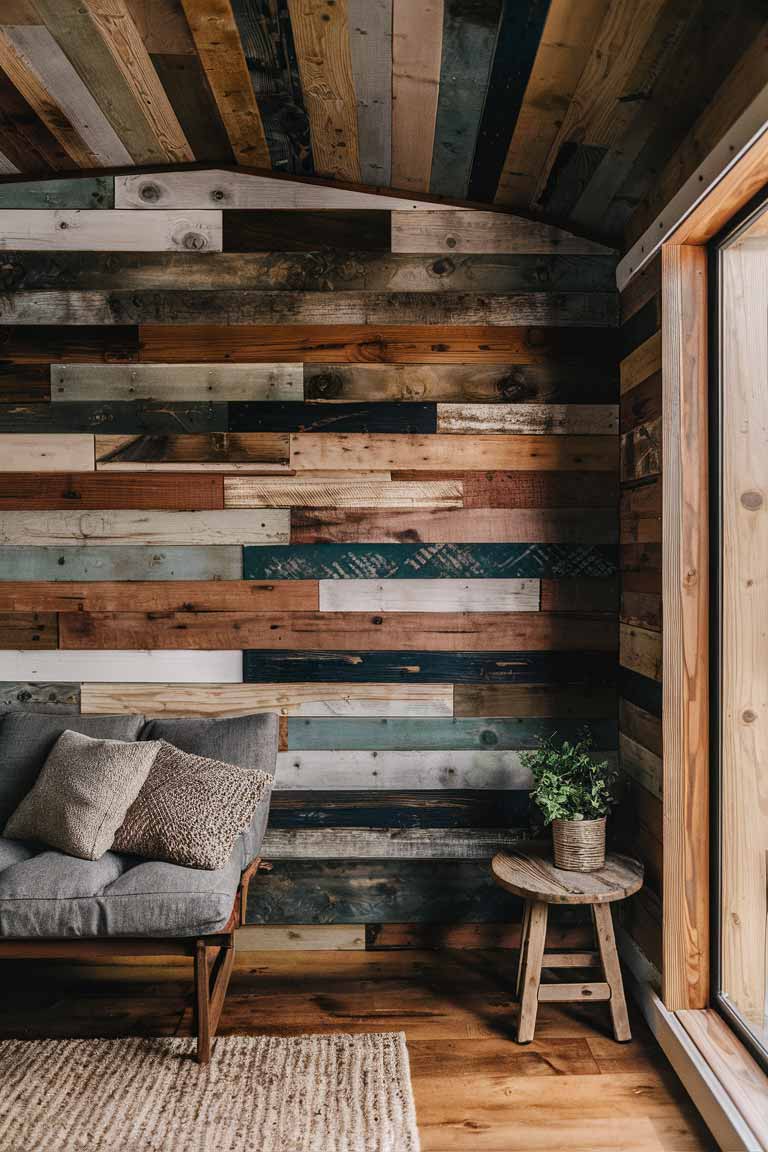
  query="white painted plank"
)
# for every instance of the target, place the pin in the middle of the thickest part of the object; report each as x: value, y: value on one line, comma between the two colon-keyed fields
x: 319, y: 492
x: 469, y: 230
x: 222, y: 189
x: 210, y: 699
x: 93, y: 230
x: 63, y: 452
x: 429, y: 595
x: 115, y: 666
x: 530, y: 419
x: 352, y: 770
x: 388, y: 844
x: 81, y: 382
x: 126, y: 526
x: 300, y: 938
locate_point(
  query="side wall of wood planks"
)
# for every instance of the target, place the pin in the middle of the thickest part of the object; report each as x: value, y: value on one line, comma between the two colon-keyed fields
x: 359, y: 470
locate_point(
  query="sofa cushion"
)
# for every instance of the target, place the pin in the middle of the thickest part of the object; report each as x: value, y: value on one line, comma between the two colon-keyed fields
x: 48, y: 894
x: 247, y: 741
x: 26, y: 738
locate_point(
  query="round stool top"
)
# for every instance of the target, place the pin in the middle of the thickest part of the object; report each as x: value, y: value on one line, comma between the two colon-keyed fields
x: 530, y: 872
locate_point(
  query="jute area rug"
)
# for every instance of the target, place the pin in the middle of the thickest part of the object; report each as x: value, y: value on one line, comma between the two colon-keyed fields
x: 258, y: 1094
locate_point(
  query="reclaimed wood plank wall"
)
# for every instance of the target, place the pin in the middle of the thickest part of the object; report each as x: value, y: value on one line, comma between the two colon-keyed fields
x: 350, y: 459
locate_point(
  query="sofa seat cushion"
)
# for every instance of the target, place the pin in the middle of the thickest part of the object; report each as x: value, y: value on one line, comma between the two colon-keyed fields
x: 50, y: 895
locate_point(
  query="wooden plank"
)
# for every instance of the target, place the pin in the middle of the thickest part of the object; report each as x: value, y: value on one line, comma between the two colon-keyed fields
x: 419, y: 453
x: 225, y: 452
x: 434, y: 562
x: 640, y: 690
x: 397, y: 937
x: 578, y: 595
x: 28, y: 630
x: 352, y: 770
x: 158, y: 596
x: 184, y: 80
x: 533, y: 490
x: 92, y: 344
x: 378, y: 844
x: 300, y: 938
x: 468, y: 526
x: 75, y: 490
x: 33, y: 453
x: 644, y: 361
x: 530, y: 419
x: 429, y: 595
x: 417, y: 35
x: 27, y: 142
x: 420, y: 808
x: 343, y: 631
x: 469, y: 230
x: 428, y: 667
x: 641, y: 451
x: 640, y: 327
x: 321, y: 36
x: 641, y: 726
x: 641, y: 288
x: 469, y: 40
x: 83, y: 382
x: 81, y: 229
x: 127, y: 527
x: 62, y: 699
x: 538, y: 700
x: 354, y: 343
x: 328, y: 734
x: 220, y: 49
x: 641, y: 608
x: 640, y: 650
x: 321, y: 492
x: 641, y: 764
x: 280, y: 230
x: 642, y: 403
x: 266, y: 416
x: 117, y: 667
x: 152, y: 417
x: 93, y: 192
x: 304, y: 699
x: 370, y: 45
x: 121, y: 562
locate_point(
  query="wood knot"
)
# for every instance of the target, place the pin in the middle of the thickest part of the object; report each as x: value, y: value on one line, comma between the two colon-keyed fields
x: 748, y: 716
x: 193, y: 241
x: 450, y: 241
x: 149, y: 193
x: 218, y: 194
x: 751, y: 501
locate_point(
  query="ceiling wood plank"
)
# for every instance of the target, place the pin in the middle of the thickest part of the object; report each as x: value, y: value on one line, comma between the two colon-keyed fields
x: 213, y: 27
x: 417, y: 41
x: 321, y: 36
x: 162, y: 26
x: 183, y: 78
x: 370, y: 39
x: 29, y: 145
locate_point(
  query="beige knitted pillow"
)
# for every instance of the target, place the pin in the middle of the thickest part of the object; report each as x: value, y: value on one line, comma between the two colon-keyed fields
x: 191, y: 809
x: 82, y: 794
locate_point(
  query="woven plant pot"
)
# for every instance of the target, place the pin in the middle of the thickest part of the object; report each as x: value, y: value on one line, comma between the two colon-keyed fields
x: 579, y: 844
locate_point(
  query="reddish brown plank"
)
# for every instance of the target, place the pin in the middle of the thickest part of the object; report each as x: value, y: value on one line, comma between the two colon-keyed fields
x: 463, y: 526
x: 159, y: 596
x: 19, y: 630
x: 184, y: 492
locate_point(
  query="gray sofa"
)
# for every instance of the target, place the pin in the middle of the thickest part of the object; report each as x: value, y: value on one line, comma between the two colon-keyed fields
x: 57, y: 905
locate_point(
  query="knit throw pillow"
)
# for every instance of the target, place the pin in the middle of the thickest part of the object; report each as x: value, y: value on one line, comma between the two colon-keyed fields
x: 191, y: 809
x: 82, y: 794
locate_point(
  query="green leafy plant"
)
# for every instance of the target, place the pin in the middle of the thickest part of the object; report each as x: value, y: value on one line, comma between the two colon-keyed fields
x: 569, y: 783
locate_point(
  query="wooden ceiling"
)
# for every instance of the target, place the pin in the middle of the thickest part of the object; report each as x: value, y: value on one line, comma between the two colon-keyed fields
x: 567, y: 109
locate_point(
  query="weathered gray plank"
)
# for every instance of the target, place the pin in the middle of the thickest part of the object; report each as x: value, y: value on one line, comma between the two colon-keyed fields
x: 118, y: 666
x: 467, y: 230
x: 37, y: 452
x: 395, y: 844
x: 121, y: 562
x: 78, y: 230
x: 328, y: 770
x: 146, y: 527
x: 176, y: 382
x: 533, y: 419
x: 92, y: 192
x: 39, y: 697
x: 370, y: 43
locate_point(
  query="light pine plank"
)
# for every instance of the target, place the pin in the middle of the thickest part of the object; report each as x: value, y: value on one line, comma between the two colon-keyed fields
x: 460, y: 453
x: 21, y: 452
x: 640, y: 650
x: 217, y: 40
x: 531, y: 419
x: 322, y: 492
x: 83, y: 230
x: 126, y: 527
x: 121, y: 562
x: 219, y: 452
x: 642, y: 362
x: 385, y: 844
x: 321, y: 39
x: 429, y: 595
x: 119, y: 667
x: 641, y: 764
x: 300, y: 938
x: 226, y: 189
x: 158, y: 596
x: 305, y: 699
x: 417, y: 39
x: 370, y: 42
x: 470, y: 230
x: 356, y: 770
x: 83, y: 382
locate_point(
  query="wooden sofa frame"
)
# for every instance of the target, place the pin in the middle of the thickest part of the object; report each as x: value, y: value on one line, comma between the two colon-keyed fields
x: 213, y: 956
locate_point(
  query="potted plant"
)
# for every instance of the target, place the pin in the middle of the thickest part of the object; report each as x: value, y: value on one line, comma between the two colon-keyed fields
x: 574, y: 792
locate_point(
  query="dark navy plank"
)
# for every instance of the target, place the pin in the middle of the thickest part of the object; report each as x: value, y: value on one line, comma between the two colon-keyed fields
x: 461, y: 808
x: 290, y: 416
x: 425, y: 561
x: 640, y: 690
x: 115, y: 416
x: 328, y: 733
x: 520, y: 29
x: 264, y: 666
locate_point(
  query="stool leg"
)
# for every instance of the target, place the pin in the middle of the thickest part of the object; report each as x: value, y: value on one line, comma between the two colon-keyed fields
x: 606, y: 942
x: 523, y: 946
x: 534, y: 954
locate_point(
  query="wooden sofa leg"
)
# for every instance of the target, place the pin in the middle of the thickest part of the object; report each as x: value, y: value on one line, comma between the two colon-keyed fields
x: 211, y: 983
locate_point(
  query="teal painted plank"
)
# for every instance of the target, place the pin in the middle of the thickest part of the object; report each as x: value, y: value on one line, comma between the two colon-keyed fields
x: 91, y: 192
x: 469, y: 40
x: 121, y: 562
x: 425, y: 561
x: 438, y: 734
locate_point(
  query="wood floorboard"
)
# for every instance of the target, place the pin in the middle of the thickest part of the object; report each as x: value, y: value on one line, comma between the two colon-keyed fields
x: 476, y: 1090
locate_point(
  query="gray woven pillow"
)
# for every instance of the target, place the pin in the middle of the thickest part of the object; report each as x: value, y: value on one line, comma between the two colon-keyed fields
x: 191, y: 809
x: 82, y: 794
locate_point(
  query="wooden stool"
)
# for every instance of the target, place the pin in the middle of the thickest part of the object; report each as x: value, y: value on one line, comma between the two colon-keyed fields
x: 530, y: 872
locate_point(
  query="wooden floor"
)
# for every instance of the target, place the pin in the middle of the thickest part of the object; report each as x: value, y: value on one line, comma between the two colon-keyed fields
x: 573, y: 1088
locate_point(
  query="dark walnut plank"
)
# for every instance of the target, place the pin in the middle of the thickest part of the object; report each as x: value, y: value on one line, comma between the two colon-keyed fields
x: 642, y: 324
x: 79, y: 343
x: 640, y: 690
x: 361, y: 343
x: 341, y: 631
x: 529, y: 489
x: 292, y: 416
x: 217, y: 449
x: 116, y: 416
x: 641, y: 403
x: 641, y: 451
x: 24, y: 383
x: 184, y: 80
x: 20, y: 630
x: 159, y: 596
x: 183, y: 492
x: 474, y: 525
x: 580, y: 595
x: 460, y: 808
x: 289, y: 230
x: 24, y: 138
